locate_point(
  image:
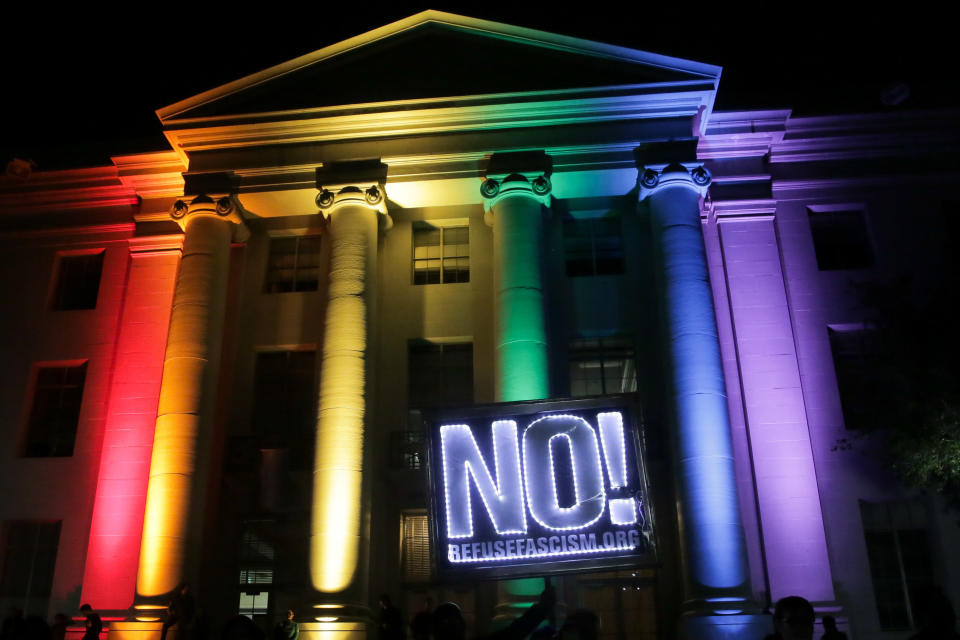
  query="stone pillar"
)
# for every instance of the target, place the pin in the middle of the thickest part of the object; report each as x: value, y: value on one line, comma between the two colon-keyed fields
x: 188, y: 392
x: 110, y: 570
x: 354, y: 213
x: 713, y: 549
x: 514, y: 205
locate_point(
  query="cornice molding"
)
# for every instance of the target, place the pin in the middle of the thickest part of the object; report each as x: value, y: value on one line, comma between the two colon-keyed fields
x: 153, y: 245
x: 62, y: 236
x: 419, y: 117
x: 785, y: 190
x: 152, y: 175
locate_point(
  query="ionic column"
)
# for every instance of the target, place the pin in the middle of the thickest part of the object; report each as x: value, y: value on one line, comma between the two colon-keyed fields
x: 514, y: 208
x: 514, y: 205
x: 187, y: 396
x: 354, y: 213
x: 712, y: 541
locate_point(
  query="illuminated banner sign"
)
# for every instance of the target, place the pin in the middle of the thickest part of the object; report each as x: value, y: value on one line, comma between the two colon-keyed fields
x: 537, y: 488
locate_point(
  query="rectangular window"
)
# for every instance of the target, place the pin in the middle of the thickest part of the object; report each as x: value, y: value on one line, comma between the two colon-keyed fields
x: 439, y: 374
x: 440, y: 254
x: 854, y: 350
x: 840, y: 239
x: 78, y: 281
x: 899, y: 554
x: 593, y: 246
x: 57, y: 397
x: 284, y: 402
x: 29, y: 559
x: 415, y: 555
x: 293, y: 265
x: 407, y: 450
x: 257, y: 557
x: 601, y: 366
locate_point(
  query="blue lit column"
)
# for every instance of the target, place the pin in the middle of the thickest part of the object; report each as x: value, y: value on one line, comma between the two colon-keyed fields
x: 712, y: 543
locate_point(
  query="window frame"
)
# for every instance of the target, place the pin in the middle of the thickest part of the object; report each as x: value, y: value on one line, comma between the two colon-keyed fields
x: 444, y: 227
x: 442, y: 344
x: 606, y: 353
x: 23, y: 601
x: 898, y: 518
x: 58, y: 286
x: 30, y: 408
x: 821, y: 249
x: 591, y: 224
x: 246, y: 564
x: 262, y: 437
x: 298, y: 238
x: 407, y: 575
x: 857, y: 368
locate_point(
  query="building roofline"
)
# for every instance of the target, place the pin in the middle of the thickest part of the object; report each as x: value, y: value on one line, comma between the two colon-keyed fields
x: 532, y: 37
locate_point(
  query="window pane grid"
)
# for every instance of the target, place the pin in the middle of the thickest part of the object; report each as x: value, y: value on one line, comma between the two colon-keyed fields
x: 57, y: 399
x: 898, y: 552
x: 601, y: 366
x: 29, y: 559
x: 78, y: 281
x: 293, y: 264
x: 440, y: 374
x: 441, y: 255
x: 407, y: 450
x: 284, y: 407
x: 593, y: 247
x: 416, y: 547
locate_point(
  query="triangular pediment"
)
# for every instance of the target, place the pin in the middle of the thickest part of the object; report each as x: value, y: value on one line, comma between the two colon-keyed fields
x: 438, y: 55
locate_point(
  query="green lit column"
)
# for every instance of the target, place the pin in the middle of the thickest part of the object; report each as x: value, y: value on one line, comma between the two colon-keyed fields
x: 514, y: 202
x: 514, y: 205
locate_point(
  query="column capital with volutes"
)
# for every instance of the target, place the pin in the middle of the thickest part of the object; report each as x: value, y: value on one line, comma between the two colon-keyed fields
x: 357, y: 184
x: 524, y: 174
x: 367, y: 196
x: 222, y: 206
x: 658, y: 177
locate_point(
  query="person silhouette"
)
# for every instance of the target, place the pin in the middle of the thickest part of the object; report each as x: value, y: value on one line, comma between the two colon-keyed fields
x: 830, y: 631
x: 287, y: 629
x: 93, y: 625
x: 448, y: 622
x: 180, y: 613
x: 793, y: 619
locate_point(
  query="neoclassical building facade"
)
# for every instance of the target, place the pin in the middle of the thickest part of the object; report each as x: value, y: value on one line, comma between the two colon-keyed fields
x: 218, y: 356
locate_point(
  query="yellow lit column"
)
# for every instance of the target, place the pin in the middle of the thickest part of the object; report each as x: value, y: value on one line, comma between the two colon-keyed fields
x: 187, y: 397
x: 354, y: 213
x: 514, y: 205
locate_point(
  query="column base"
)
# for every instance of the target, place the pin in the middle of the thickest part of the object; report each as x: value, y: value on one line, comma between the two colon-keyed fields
x: 738, y: 626
x: 135, y: 630
x: 335, y: 630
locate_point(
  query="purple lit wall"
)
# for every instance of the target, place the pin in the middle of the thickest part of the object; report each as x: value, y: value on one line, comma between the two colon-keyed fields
x: 773, y: 408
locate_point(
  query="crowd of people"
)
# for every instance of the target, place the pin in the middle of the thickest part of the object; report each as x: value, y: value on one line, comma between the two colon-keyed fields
x: 793, y: 619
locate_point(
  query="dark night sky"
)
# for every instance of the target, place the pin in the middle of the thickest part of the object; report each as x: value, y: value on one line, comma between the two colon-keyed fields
x: 82, y: 85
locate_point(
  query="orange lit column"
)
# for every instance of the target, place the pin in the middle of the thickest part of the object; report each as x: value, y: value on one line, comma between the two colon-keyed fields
x: 110, y: 570
x: 354, y: 213
x: 187, y: 396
